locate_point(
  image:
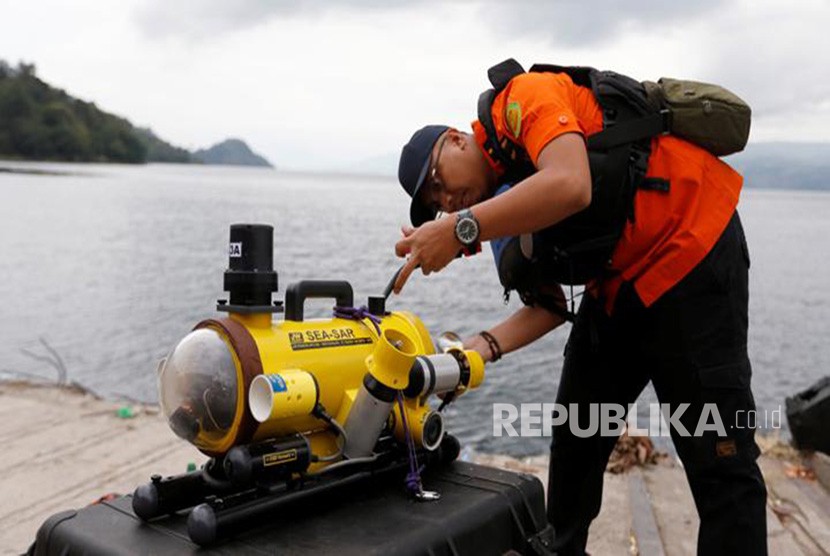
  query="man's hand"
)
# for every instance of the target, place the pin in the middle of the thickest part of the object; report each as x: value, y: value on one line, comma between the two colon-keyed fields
x: 431, y: 246
x: 479, y: 344
x: 519, y: 329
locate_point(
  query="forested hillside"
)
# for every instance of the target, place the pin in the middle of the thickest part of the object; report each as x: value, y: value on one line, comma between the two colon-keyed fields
x: 41, y: 122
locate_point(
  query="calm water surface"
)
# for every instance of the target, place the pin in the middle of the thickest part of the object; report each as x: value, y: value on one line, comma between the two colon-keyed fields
x: 112, y: 265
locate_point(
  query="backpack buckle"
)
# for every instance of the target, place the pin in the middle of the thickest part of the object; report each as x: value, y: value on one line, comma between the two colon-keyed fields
x: 667, y: 120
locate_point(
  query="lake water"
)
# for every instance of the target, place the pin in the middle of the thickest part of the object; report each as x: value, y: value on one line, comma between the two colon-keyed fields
x: 110, y: 266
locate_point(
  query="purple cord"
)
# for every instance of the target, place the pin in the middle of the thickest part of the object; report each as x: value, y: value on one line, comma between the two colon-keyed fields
x: 413, y: 478
x: 357, y: 313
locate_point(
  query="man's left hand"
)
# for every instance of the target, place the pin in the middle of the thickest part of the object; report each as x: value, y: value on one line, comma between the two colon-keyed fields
x: 431, y: 246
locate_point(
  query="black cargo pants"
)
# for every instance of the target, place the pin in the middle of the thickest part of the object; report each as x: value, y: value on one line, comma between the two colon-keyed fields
x: 692, y: 345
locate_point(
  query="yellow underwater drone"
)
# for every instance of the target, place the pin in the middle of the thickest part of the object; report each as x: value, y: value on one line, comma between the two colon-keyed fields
x: 288, y: 410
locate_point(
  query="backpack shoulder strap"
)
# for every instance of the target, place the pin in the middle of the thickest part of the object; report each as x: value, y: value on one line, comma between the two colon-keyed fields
x: 485, y: 116
x: 501, y: 74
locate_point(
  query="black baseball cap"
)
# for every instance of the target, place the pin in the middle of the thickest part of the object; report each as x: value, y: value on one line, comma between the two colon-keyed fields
x: 413, y: 167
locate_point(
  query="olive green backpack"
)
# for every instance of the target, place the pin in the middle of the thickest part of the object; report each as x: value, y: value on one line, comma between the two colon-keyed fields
x: 708, y: 115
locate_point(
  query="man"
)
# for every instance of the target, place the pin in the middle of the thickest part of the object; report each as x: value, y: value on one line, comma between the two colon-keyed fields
x: 670, y: 306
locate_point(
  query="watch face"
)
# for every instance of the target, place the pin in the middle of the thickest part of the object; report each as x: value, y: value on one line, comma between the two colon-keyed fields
x: 467, y: 230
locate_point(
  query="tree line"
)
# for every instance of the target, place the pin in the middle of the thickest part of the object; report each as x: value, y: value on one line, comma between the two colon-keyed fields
x: 40, y: 122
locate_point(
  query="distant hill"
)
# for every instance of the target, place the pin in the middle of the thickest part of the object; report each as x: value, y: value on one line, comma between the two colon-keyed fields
x: 782, y: 165
x: 41, y: 122
x: 159, y: 150
x: 230, y: 151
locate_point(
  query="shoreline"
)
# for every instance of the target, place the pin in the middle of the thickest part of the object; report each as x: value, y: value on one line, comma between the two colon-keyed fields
x: 66, y: 448
x: 33, y: 171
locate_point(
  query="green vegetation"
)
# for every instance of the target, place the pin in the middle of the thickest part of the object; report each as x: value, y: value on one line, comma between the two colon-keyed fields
x: 159, y: 150
x: 40, y: 122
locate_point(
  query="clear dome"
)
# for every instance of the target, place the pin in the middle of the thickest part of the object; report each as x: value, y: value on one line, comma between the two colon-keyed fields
x: 198, y: 388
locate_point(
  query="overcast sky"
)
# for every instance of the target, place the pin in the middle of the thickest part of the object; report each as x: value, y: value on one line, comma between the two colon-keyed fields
x: 313, y: 84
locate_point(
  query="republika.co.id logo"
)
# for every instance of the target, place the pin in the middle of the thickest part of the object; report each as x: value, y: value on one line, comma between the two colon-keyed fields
x: 610, y: 419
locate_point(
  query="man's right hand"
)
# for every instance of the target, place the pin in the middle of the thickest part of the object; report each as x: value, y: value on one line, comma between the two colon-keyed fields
x: 431, y: 246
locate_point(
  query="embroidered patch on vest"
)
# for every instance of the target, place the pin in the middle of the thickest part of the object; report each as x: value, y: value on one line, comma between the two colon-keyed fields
x: 513, y: 117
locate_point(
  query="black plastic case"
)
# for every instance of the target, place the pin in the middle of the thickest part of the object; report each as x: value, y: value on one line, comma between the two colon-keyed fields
x: 808, y: 414
x: 482, y: 511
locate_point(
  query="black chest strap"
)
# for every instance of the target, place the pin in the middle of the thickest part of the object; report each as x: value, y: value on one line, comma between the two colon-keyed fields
x: 630, y: 131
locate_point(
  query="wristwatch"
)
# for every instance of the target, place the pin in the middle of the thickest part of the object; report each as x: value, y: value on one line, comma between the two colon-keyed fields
x: 467, y: 230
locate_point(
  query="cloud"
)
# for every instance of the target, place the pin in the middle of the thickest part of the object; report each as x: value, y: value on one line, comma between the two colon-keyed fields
x: 579, y: 23
x: 202, y: 19
x: 425, y: 60
x: 563, y: 22
x: 774, y: 57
